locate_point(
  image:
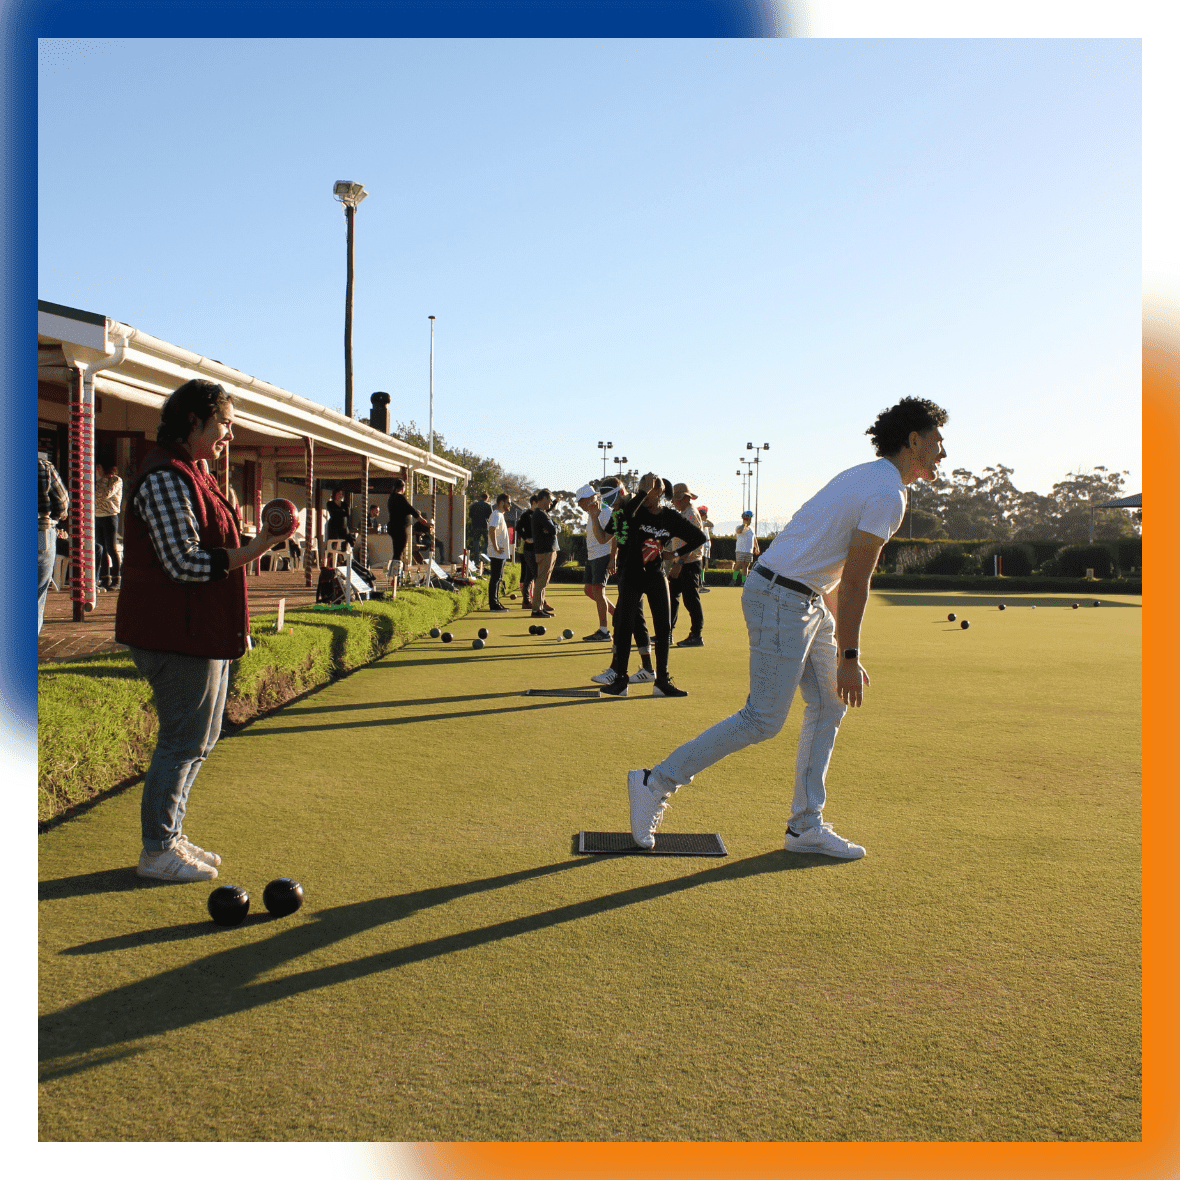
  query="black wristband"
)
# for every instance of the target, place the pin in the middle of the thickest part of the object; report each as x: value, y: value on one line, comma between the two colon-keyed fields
x: 852, y: 653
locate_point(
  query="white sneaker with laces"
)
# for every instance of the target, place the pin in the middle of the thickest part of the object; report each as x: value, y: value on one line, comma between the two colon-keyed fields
x: 208, y: 858
x: 642, y: 676
x: 823, y: 840
x: 174, y: 865
x: 647, y: 808
x: 604, y: 677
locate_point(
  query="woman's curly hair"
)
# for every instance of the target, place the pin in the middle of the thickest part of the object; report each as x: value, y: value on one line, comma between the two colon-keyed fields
x: 893, y: 427
x: 203, y: 398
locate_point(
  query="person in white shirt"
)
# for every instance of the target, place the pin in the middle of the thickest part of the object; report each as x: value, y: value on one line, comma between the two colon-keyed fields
x: 499, y: 550
x: 803, y: 609
x: 600, y: 560
x: 745, y: 546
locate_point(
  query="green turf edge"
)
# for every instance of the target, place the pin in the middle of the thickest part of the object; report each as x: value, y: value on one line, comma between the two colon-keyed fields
x: 97, y: 723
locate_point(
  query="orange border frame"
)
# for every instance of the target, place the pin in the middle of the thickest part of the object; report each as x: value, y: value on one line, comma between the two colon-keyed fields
x: 1157, y: 1156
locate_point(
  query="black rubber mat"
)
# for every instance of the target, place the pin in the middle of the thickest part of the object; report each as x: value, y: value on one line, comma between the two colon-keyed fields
x: 667, y: 844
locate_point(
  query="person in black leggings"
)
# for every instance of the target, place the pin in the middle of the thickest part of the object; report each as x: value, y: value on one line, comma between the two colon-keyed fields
x: 643, y: 527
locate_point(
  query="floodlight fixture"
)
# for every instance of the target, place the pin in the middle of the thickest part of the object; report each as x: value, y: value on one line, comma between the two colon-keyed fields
x: 349, y: 192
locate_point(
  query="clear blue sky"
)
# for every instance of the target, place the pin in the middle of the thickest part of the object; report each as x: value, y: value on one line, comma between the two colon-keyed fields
x: 680, y: 246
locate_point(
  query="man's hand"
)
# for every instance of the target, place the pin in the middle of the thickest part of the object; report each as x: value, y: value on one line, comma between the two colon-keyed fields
x: 648, y: 482
x: 849, y: 677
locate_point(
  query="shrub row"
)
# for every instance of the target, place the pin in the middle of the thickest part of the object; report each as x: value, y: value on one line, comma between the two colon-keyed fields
x: 97, y: 724
x: 1046, y: 558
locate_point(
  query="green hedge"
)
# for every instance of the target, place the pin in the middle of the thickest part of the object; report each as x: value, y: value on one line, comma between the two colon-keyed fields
x: 97, y: 724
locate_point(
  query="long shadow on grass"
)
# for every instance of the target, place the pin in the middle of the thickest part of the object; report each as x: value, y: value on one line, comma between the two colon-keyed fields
x: 273, y: 731
x: 222, y: 983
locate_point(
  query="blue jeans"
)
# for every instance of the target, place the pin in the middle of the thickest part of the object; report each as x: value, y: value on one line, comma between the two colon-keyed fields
x: 792, y: 645
x: 46, y: 553
x: 190, y: 698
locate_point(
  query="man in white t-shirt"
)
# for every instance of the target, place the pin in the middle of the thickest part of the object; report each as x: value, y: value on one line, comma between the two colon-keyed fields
x: 600, y: 560
x: 499, y: 550
x: 804, y: 604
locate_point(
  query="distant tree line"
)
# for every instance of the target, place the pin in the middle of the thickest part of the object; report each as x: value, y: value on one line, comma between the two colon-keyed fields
x: 968, y: 507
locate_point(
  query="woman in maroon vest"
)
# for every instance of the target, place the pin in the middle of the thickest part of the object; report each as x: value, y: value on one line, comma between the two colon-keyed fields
x: 183, y: 612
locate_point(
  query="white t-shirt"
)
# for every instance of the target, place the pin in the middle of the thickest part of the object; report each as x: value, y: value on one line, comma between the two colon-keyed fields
x: 744, y: 544
x: 497, y: 536
x: 814, y: 545
x: 594, y: 548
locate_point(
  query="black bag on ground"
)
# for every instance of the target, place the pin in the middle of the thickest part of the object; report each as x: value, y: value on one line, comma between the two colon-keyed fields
x: 329, y: 588
x: 362, y: 573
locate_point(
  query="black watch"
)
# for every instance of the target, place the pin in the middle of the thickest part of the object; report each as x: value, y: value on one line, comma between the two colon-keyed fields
x: 852, y: 653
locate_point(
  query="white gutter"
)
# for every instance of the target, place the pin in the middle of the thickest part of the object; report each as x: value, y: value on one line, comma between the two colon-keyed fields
x: 271, y: 405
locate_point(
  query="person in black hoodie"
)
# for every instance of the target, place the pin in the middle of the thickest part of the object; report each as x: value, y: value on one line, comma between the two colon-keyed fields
x: 644, y: 527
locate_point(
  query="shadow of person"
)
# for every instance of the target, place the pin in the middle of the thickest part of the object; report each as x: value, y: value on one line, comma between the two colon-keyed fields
x: 223, y: 982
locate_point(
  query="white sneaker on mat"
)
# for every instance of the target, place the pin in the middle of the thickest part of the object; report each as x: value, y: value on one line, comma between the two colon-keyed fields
x: 647, y: 808
x: 823, y: 840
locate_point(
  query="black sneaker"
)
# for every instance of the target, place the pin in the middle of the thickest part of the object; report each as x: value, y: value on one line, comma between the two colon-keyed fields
x: 692, y: 641
x: 599, y: 636
x: 616, y: 688
x: 665, y: 688
x: 498, y: 607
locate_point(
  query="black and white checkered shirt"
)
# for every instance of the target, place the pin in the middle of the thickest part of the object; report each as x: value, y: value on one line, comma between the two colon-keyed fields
x: 164, y: 504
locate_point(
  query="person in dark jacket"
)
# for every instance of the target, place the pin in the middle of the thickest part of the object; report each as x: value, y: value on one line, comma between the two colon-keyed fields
x: 528, y: 562
x: 402, y: 515
x: 544, y: 533
x: 183, y: 612
x: 644, y: 527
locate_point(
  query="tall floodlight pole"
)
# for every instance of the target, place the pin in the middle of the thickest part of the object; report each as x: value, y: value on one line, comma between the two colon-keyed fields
x: 604, y: 447
x: 433, y: 496
x: 757, y: 477
x: 350, y: 195
x: 747, y: 484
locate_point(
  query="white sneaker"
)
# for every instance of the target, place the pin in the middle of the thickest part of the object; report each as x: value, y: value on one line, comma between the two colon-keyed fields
x: 642, y: 676
x: 647, y: 808
x: 174, y: 865
x: 604, y: 677
x: 824, y: 840
x: 208, y: 858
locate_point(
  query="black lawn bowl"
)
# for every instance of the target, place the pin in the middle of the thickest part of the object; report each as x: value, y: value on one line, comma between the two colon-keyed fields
x: 282, y: 896
x: 951, y: 618
x: 540, y: 629
x: 229, y: 905
x: 965, y: 624
x: 1002, y: 606
x: 482, y: 633
x: 447, y: 637
x: 434, y: 632
x: 532, y: 628
x: 1074, y: 605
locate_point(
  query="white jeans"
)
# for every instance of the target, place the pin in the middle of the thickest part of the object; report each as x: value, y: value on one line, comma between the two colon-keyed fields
x: 792, y: 645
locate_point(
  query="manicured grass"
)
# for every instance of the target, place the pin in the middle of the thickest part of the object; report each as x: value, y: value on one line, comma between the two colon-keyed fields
x: 457, y: 973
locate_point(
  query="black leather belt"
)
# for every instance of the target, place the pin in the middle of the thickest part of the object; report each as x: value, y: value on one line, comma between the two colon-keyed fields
x: 779, y: 580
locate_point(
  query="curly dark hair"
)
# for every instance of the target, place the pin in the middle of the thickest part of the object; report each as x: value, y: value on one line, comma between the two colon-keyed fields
x: 203, y: 398
x: 893, y: 427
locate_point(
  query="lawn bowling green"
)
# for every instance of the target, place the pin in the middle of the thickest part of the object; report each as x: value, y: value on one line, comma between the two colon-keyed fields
x: 459, y: 972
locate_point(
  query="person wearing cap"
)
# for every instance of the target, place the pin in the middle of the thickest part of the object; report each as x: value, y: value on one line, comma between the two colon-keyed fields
x: 600, y: 555
x: 684, y: 576
x: 803, y: 609
x: 745, y: 549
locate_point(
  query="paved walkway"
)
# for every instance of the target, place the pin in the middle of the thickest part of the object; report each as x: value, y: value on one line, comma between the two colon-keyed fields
x: 63, y: 639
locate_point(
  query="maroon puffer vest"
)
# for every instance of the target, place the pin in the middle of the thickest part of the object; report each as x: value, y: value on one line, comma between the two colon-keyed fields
x: 208, y: 619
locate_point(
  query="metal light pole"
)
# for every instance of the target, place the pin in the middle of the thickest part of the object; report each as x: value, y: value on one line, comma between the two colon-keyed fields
x: 604, y: 447
x: 433, y: 496
x: 350, y: 195
x: 748, y: 484
x: 757, y: 477
x: 620, y: 463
